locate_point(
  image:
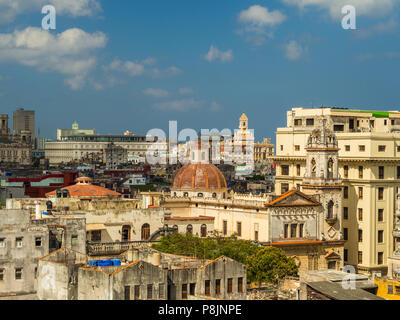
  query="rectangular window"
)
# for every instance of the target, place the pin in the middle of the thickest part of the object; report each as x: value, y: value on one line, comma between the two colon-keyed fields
x: 38, y: 241
x: 284, y: 188
x: 286, y: 231
x: 361, y: 148
x: 345, y: 234
x: 298, y: 167
x: 96, y: 235
x: 360, y: 235
x: 207, y: 287
x: 380, y: 257
x: 218, y: 286
x: 230, y: 285
x: 345, y: 213
x: 346, y: 192
x: 347, y: 148
x: 2, y: 242
x: 360, y: 257
x: 381, y: 172
x: 149, y: 291
x: 1, y: 274
x: 380, y: 193
x: 225, y: 227
x: 284, y: 170
x: 18, y: 242
x: 360, y: 192
x: 309, y: 122
x: 127, y: 292
x: 346, y: 171
x: 281, y: 147
x: 192, y: 289
x: 301, y: 230
x: 381, y: 148
x: 345, y: 255
x: 137, y: 292
x: 161, y: 294
x: 74, y: 240
x: 397, y: 290
x: 293, y: 230
x: 240, y: 285
x: 296, y: 148
x: 239, y: 228
x: 360, y: 214
x: 18, y: 273
x: 360, y: 172
x: 184, y: 292
x: 398, y: 172
x: 255, y: 235
x: 338, y: 127
x: 380, y: 236
x: 380, y: 215
x: 297, y: 122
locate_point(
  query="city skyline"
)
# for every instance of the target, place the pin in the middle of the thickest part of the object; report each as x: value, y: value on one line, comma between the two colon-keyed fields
x: 126, y: 66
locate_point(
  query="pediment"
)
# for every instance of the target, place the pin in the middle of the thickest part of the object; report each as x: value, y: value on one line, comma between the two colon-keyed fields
x: 293, y: 198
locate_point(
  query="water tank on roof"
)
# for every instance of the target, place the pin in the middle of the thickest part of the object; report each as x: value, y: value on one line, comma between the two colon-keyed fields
x: 116, y: 262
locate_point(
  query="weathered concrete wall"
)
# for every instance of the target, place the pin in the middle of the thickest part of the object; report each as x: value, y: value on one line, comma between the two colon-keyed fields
x: 16, y: 224
x: 97, y: 285
x: 224, y: 269
x: 57, y: 281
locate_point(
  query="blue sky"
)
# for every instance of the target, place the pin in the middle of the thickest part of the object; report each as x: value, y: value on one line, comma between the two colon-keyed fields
x: 134, y: 65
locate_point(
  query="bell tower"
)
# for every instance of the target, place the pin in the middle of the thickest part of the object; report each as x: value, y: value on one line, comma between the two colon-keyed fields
x: 323, y: 181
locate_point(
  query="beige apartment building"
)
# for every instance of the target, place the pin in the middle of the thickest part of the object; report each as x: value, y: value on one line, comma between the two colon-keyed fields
x: 369, y: 166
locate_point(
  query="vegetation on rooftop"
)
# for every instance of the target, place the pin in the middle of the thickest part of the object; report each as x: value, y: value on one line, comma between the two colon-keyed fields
x: 264, y: 264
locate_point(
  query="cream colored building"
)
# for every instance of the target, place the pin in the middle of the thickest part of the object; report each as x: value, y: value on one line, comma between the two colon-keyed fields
x: 369, y: 166
x: 74, y: 148
x: 74, y: 131
x: 306, y: 226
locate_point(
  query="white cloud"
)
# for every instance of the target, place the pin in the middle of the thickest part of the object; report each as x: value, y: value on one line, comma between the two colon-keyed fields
x: 294, y: 51
x: 10, y: 9
x: 157, y: 93
x: 132, y: 68
x: 334, y: 7
x: 380, y: 28
x: 68, y: 53
x: 185, y: 91
x: 139, y: 68
x: 258, y: 22
x: 259, y: 16
x: 215, y: 54
x: 179, y: 105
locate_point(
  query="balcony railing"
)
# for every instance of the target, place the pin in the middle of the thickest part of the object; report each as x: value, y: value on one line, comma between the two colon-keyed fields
x: 111, y: 248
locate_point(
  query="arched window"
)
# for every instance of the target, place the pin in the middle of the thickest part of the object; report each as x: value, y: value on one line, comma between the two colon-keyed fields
x: 203, y: 230
x: 186, y: 194
x: 174, y: 194
x: 214, y: 195
x: 126, y: 233
x: 189, y: 229
x: 330, y: 210
x: 200, y: 195
x: 146, y: 231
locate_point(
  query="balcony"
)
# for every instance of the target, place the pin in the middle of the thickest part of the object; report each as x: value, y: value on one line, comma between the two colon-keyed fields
x: 331, y: 220
x: 110, y: 248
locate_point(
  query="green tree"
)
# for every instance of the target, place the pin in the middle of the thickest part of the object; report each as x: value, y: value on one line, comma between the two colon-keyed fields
x: 269, y: 265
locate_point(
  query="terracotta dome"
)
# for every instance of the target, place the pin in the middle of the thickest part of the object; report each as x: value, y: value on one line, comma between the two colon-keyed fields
x: 199, y: 177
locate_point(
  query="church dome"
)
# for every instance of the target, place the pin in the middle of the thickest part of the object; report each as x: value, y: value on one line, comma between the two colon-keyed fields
x: 196, y: 176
